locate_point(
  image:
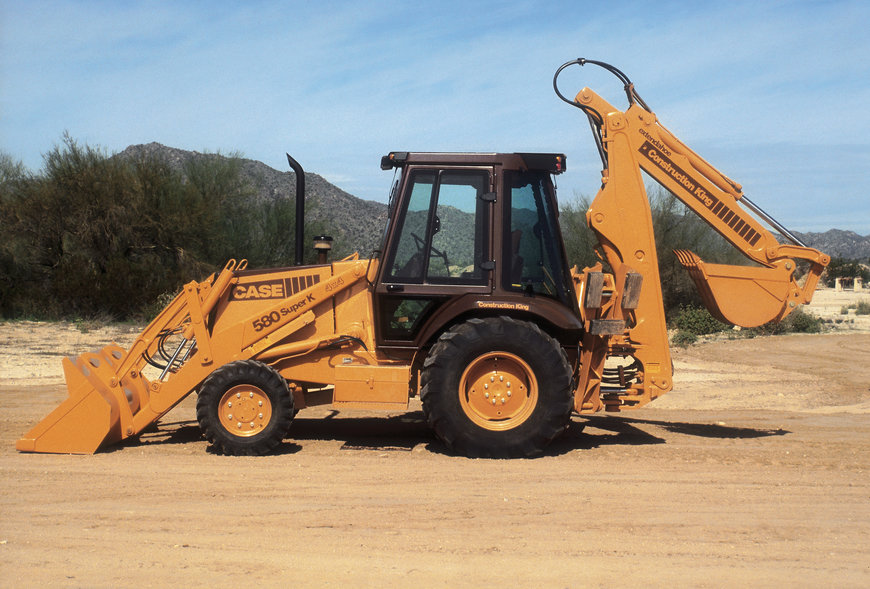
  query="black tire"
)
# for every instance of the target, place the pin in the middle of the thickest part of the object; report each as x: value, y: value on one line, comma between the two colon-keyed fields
x: 478, y: 412
x: 244, y: 408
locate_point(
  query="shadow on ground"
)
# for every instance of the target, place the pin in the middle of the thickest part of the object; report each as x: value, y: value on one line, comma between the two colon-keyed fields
x: 593, y: 431
x: 398, y: 432
x: 407, y: 431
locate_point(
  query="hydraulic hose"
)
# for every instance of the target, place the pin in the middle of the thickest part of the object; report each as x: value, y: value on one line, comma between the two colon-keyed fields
x: 596, y: 119
x: 628, y: 86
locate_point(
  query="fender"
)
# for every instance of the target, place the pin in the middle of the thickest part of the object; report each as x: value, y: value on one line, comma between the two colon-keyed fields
x: 537, y: 309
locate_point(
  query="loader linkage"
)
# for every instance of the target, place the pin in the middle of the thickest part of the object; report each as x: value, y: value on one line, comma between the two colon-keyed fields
x: 111, y: 396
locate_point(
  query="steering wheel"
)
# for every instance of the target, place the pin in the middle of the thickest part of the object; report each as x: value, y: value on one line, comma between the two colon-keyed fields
x: 421, y: 246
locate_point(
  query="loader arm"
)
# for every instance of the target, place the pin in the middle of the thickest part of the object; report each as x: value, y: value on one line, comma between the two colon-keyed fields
x: 633, y: 140
x: 115, y: 394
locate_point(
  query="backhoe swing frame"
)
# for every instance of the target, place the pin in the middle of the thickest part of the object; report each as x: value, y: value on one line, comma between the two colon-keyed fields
x: 620, y: 217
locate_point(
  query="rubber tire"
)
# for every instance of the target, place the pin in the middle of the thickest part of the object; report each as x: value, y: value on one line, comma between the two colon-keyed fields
x: 462, y: 345
x: 244, y: 372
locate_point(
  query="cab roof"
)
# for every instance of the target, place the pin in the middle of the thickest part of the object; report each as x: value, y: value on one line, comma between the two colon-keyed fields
x: 553, y: 163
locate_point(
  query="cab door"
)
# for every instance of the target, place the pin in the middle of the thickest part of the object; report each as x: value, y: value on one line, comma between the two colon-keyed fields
x: 439, y: 246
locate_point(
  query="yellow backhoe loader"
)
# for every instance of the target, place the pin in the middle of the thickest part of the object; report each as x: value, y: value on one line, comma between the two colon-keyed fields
x: 469, y: 305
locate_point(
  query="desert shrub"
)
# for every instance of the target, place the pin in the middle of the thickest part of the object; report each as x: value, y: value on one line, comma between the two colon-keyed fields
x: 675, y: 227
x: 845, y: 268
x: 698, y: 321
x: 153, y: 309
x: 692, y: 322
x: 683, y: 339
x: 861, y: 308
x: 100, y: 235
x: 802, y: 322
x: 798, y: 321
x: 579, y: 240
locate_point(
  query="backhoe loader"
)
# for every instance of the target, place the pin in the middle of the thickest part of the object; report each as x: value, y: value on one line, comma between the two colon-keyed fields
x: 469, y: 305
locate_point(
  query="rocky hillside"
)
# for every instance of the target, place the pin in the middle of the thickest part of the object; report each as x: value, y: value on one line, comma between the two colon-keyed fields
x: 356, y: 224
x: 839, y: 243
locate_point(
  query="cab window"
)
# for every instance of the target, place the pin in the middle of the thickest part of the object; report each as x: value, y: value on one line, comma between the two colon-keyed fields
x: 532, y: 250
x: 442, y: 229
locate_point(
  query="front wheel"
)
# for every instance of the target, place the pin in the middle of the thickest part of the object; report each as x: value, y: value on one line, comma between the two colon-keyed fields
x: 497, y: 387
x: 244, y: 408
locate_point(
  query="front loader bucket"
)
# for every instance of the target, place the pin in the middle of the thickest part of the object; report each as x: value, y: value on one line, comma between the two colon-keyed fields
x: 90, y: 415
x: 110, y: 399
x: 741, y: 295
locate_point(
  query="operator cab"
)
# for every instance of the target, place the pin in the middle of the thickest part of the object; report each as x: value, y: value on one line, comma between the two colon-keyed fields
x: 470, y: 232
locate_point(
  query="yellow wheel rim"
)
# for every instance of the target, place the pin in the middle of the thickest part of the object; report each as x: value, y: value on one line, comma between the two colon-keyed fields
x: 498, y: 391
x: 245, y: 410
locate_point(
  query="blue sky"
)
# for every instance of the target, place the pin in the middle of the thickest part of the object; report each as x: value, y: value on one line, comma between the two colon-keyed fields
x: 773, y: 93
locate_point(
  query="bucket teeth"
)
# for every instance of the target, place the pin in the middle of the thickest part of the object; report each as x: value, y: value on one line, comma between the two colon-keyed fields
x: 695, y: 266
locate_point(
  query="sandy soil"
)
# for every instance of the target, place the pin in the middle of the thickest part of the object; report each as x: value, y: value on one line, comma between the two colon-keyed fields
x: 754, y: 470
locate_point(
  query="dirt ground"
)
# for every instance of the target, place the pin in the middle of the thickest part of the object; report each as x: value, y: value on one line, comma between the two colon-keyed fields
x: 754, y: 470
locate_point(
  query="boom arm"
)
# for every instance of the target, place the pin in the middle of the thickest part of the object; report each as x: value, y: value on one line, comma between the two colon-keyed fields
x: 735, y: 294
x: 748, y: 296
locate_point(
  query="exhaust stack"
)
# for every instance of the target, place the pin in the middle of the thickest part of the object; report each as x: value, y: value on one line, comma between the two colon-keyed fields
x: 300, y: 207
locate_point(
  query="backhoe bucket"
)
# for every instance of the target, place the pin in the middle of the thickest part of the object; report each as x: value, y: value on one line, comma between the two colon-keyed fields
x: 740, y: 295
x: 91, y: 415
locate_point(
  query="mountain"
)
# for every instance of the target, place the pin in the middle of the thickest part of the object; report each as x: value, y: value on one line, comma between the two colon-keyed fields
x: 839, y: 243
x: 356, y: 224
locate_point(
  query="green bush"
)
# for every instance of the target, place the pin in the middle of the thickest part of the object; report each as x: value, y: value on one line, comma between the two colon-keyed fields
x: 153, y: 309
x: 845, y: 268
x: 683, y: 339
x: 678, y: 227
x: 802, y: 322
x: 798, y: 321
x: 692, y: 322
x: 579, y: 239
x: 98, y: 235
x: 861, y: 308
x: 698, y: 321
x: 675, y: 227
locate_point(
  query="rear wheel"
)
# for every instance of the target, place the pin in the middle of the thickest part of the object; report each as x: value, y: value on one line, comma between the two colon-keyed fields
x: 497, y: 387
x: 244, y: 408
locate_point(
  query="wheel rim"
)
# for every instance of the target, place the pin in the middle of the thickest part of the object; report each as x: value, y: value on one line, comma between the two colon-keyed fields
x: 498, y: 391
x: 245, y: 410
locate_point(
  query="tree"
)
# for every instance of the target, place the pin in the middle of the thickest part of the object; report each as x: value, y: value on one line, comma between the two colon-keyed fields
x: 675, y: 226
x: 12, y: 175
x: 95, y: 234
x: 579, y: 240
x: 845, y: 268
